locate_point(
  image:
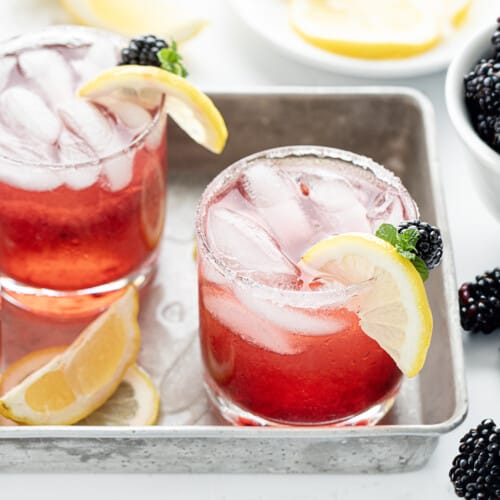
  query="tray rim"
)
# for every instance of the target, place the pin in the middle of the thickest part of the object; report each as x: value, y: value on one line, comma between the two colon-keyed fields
x: 425, y: 107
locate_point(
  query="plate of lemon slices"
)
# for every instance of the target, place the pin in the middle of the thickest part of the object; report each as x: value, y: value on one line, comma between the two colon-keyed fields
x: 376, y: 39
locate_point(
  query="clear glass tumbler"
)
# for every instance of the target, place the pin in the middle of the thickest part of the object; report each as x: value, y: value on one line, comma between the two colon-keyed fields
x: 279, y: 345
x: 82, y: 184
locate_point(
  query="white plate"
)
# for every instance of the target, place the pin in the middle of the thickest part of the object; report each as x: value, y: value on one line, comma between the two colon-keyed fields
x: 269, y: 19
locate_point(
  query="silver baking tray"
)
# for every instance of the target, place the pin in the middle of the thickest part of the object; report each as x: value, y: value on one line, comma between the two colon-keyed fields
x: 392, y: 125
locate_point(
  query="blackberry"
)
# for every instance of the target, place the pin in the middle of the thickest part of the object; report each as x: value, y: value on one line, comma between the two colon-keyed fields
x: 429, y: 246
x: 475, y: 472
x: 480, y: 303
x: 143, y: 50
x: 482, y: 88
x: 488, y: 128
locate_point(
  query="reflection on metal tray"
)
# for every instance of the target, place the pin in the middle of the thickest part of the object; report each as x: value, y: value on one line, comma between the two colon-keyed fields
x: 392, y: 125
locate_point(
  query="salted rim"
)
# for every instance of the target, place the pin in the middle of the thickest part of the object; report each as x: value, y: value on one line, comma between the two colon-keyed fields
x: 304, y: 298
x: 72, y: 36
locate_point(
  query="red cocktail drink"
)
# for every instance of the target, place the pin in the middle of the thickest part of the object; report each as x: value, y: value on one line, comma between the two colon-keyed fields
x: 280, y: 344
x: 82, y: 184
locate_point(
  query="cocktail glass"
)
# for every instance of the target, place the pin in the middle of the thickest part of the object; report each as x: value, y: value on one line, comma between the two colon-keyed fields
x: 82, y: 185
x: 280, y: 345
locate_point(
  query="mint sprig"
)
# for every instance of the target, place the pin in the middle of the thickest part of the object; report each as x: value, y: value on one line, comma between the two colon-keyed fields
x: 171, y: 60
x: 405, y: 244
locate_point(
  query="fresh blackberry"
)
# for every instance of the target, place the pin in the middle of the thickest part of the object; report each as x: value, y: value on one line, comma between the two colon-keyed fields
x: 480, y: 303
x: 143, y: 50
x: 488, y: 128
x: 429, y: 245
x: 482, y: 88
x: 475, y: 472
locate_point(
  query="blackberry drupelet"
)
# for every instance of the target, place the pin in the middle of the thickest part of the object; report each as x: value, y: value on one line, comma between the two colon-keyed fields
x: 480, y: 303
x: 482, y: 88
x: 143, y: 50
x: 430, y: 245
x: 475, y: 472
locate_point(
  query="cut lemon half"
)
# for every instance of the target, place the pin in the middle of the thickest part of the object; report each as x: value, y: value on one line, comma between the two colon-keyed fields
x: 190, y: 108
x: 166, y: 18
x: 79, y: 380
x: 392, y: 308
x: 382, y: 29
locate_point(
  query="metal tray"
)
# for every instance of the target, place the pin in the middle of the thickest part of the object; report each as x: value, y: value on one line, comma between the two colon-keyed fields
x: 392, y: 125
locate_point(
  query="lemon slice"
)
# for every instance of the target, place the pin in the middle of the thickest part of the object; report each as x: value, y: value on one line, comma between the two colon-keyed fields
x: 79, y: 380
x: 135, y: 402
x: 381, y: 29
x: 190, y: 108
x: 393, y: 310
x: 166, y: 18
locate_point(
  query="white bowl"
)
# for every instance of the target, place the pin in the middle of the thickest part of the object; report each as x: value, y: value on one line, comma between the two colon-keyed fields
x: 484, y: 161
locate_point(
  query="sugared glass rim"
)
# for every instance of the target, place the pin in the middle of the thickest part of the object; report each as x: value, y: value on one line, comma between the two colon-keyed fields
x: 299, y: 298
x: 72, y: 35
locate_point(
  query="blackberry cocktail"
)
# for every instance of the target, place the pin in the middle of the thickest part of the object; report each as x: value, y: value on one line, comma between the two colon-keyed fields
x: 283, y: 342
x: 82, y: 184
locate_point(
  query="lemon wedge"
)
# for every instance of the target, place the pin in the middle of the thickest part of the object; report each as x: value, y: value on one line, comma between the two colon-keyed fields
x: 393, y: 310
x: 190, y: 108
x: 79, y: 380
x: 166, y: 18
x: 135, y: 401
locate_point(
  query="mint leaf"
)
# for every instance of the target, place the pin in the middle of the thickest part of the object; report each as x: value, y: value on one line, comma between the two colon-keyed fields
x: 421, y: 267
x: 409, y: 238
x: 406, y: 254
x: 170, y: 60
x: 405, y: 244
x: 388, y: 233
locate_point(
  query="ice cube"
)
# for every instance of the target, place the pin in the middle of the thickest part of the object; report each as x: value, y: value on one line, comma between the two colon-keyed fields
x: 73, y: 150
x: 276, y: 197
x: 119, y: 171
x: 50, y: 72
x: 307, y: 321
x: 386, y: 207
x: 86, y: 121
x: 337, y: 205
x: 247, y: 246
x: 233, y: 315
x: 99, y: 56
x: 26, y: 176
x: 131, y: 115
x: 6, y: 66
x: 26, y: 113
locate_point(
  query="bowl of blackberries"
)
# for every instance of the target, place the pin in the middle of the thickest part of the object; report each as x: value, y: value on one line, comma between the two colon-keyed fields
x: 473, y: 101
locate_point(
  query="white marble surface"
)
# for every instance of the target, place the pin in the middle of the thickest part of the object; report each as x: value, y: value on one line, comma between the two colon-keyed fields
x: 227, y: 54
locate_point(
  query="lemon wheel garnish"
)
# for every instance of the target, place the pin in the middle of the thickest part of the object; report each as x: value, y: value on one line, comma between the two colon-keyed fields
x: 190, y: 108
x: 392, y: 308
x: 79, y: 380
x: 166, y: 18
x: 382, y: 29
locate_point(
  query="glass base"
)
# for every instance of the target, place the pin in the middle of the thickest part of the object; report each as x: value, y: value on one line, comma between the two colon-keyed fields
x: 76, y: 303
x: 236, y: 415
